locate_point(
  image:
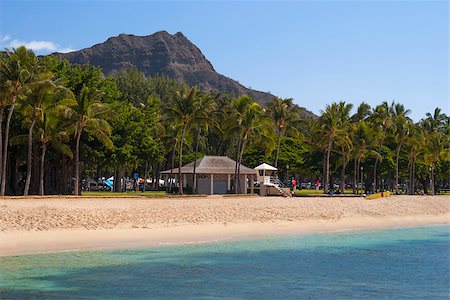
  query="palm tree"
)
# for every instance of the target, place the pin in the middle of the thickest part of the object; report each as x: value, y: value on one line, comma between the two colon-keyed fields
x: 363, y: 141
x: 434, y: 125
x: 254, y: 124
x: 51, y: 130
x: 186, y: 109
x: 233, y: 126
x: 402, y: 125
x: 171, y: 140
x: 332, y: 123
x: 434, y: 122
x: 4, y: 95
x: 88, y: 115
x: 435, y: 149
x: 208, y: 104
x: 363, y: 112
x: 344, y: 141
x: 283, y: 113
x: 44, y: 96
x: 415, y: 143
x: 345, y: 145
x: 16, y: 73
x: 381, y: 120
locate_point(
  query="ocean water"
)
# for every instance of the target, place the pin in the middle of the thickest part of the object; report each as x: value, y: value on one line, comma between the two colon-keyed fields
x: 409, y: 263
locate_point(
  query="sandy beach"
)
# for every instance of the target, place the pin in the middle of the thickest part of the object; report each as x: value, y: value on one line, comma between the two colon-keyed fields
x: 38, y: 225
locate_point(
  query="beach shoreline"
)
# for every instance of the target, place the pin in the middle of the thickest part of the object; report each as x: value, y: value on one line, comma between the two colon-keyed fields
x: 58, y: 224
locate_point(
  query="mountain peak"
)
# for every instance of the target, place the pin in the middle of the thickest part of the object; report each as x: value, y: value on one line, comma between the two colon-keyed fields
x: 161, y: 53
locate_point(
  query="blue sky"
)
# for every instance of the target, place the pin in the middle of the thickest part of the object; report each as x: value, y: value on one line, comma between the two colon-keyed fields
x: 316, y: 52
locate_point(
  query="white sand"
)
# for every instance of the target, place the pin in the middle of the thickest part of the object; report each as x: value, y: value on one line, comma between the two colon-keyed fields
x: 59, y: 224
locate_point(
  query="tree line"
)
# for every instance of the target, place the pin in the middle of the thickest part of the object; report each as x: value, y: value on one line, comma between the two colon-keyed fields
x: 62, y: 124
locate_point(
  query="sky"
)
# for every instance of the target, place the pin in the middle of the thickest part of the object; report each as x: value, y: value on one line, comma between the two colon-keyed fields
x: 315, y: 52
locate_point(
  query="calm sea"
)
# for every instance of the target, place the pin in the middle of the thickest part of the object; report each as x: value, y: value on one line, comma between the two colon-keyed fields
x: 389, y: 264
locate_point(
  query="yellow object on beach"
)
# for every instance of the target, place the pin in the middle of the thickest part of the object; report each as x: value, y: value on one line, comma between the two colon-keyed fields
x: 378, y: 195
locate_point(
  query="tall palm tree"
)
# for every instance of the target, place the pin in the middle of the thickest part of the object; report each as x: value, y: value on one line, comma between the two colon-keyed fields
x: 254, y: 124
x: 16, y: 73
x: 434, y: 125
x: 332, y: 122
x: 343, y: 140
x: 44, y: 96
x: 345, y: 146
x: 402, y: 125
x: 363, y: 141
x: 170, y: 141
x: 233, y: 126
x: 415, y: 143
x: 283, y: 113
x: 186, y: 109
x: 51, y: 130
x: 88, y: 115
x: 434, y: 150
x: 209, y: 108
x: 381, y: 120
x: 4, y: 97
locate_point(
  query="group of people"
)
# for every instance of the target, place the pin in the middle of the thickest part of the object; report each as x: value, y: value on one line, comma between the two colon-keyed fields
x: 294, y: 184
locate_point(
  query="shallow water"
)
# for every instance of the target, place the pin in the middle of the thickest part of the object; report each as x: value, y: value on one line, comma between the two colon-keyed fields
x: 396, y: 264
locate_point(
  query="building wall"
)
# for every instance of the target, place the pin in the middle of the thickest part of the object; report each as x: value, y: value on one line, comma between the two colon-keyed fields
x: 220, y: 183
x: 203, y: 184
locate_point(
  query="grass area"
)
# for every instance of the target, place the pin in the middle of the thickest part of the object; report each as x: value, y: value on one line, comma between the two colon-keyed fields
x: 314, y: 192
x: 127, y: 194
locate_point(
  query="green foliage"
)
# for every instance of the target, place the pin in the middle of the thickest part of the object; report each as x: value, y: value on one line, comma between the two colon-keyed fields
x: 129, y: 122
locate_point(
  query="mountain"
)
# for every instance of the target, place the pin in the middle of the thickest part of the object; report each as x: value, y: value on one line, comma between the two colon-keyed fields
x: 161, y: 54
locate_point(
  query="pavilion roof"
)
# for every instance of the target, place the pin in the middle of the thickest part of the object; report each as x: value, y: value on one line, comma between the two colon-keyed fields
x: 212, y: 165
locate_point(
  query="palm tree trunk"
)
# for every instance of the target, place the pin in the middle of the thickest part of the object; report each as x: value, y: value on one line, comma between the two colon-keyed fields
x: 194, y: 184
x: 236, y: 165
x: 432, y: 179
x: 410, y: 173
x: 413, y: 179
x: 342, y: 185
x: 355, y: 176
x: 77, y: 165
x: 2, y: 110
x: 41, y: 176
x: 180, y: 183
x: 158, y: 175
x: 278, y: 150
x: 30, y: 149
x: 172, y: 166
x: 239, y: 168
x: 5, y: 145
x: 145, y: 176
x: 327, y: 170
x: 360, y: 178
x: 396, y: 167
x: 375, y: 175
x: 409, y: 178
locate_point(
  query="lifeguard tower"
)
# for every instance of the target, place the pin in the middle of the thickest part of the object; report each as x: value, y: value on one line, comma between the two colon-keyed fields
x: 269, y: 182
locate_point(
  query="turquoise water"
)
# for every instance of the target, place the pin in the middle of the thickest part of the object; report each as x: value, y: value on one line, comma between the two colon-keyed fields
x: 394, y: 264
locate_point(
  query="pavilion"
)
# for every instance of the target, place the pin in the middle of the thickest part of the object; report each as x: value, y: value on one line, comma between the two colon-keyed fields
x: 215, y: 175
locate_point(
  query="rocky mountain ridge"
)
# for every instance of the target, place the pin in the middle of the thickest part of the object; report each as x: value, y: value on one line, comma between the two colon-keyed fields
x: 161, y: 54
